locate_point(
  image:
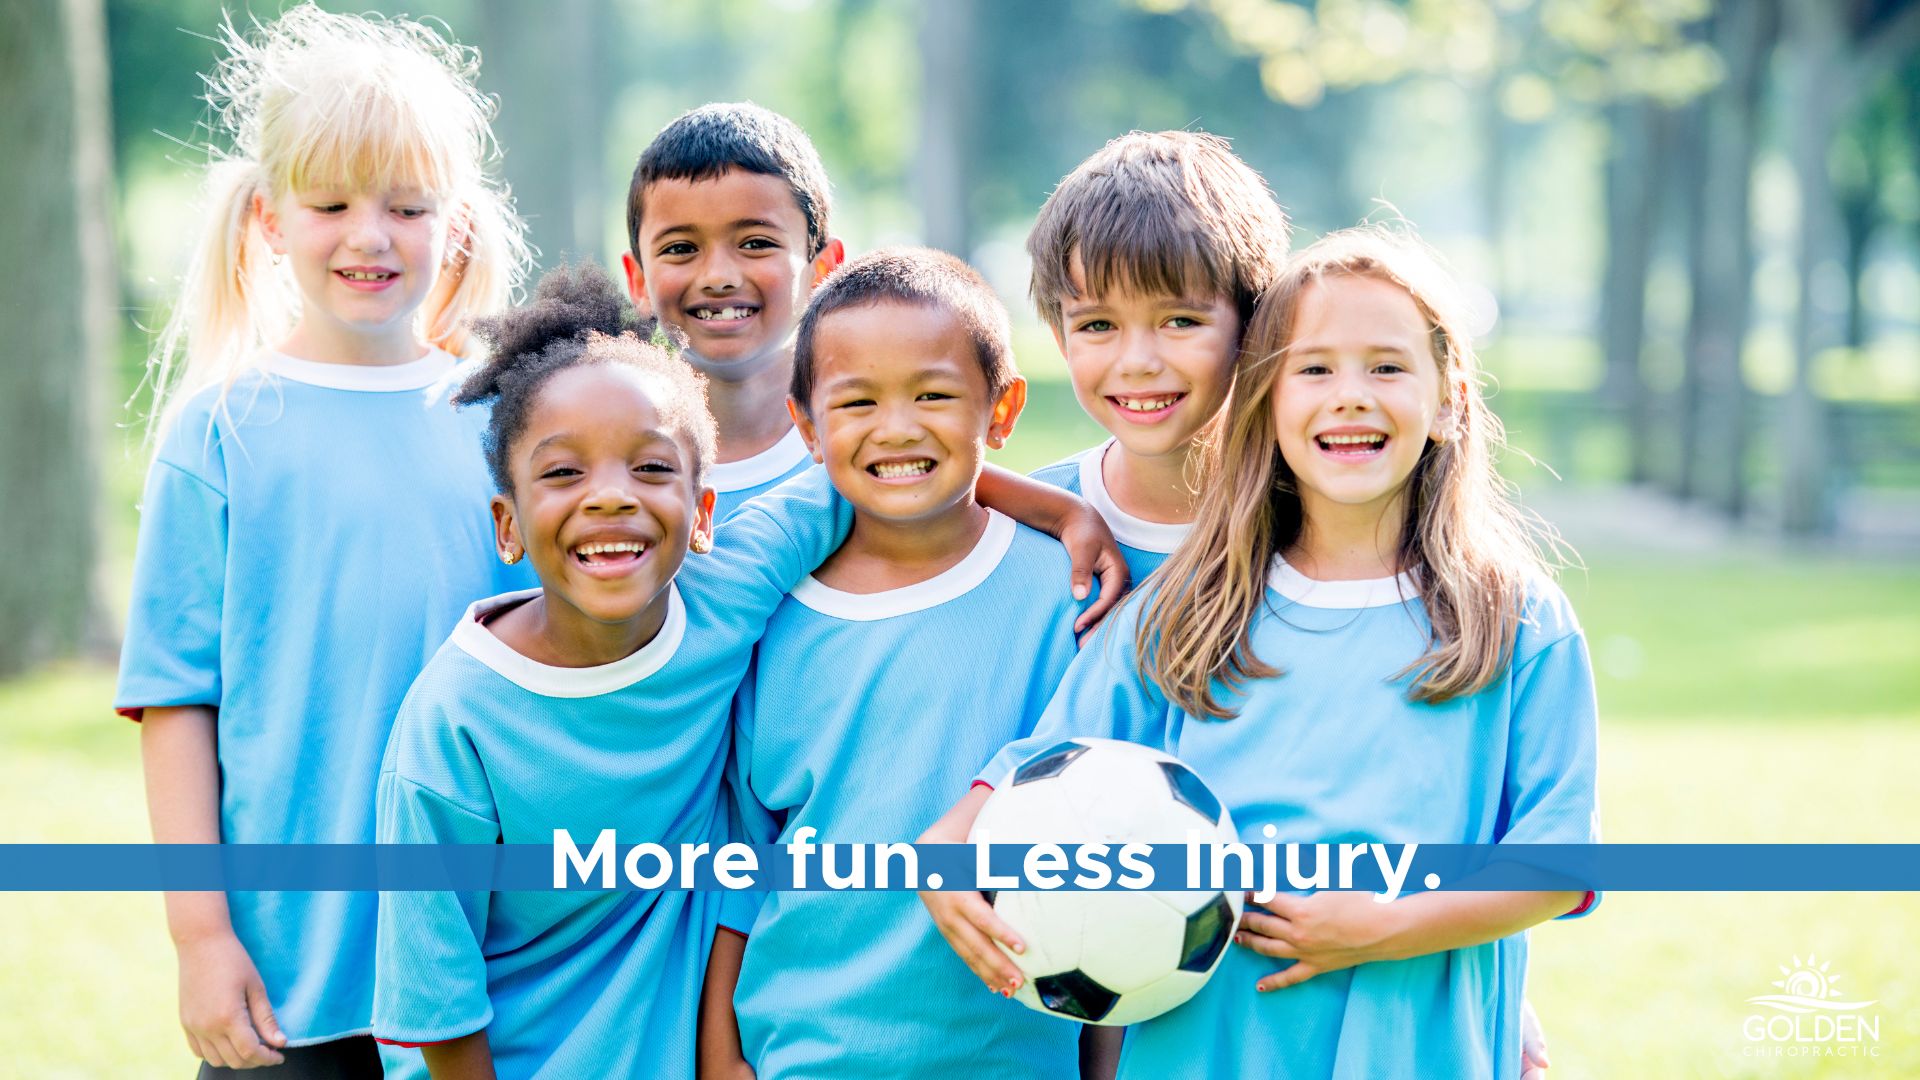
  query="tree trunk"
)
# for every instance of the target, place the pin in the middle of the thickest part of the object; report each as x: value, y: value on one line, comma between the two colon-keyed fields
x: 1819, y: 96
x: 1691, y: 198
x: 1623, y: 296
x: 1744, y: 35
x: 57, y: 306
x: 947, y: 94
x: 1496, y: 152
x: 551, y: 124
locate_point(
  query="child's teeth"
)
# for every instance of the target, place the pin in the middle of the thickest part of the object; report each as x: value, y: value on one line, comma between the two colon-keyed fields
x: 894, y: 470
x: 362, y: 275
x: 630, y: 546
x: 712, y: 314
x: 1352, y: 440
x: 1147, y: 404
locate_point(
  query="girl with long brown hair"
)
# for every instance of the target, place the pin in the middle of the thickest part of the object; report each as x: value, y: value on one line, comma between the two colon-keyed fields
x: 1358, y: 641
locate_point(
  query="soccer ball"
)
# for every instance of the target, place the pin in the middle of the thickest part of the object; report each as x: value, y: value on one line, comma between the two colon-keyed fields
x: 1117, y: 956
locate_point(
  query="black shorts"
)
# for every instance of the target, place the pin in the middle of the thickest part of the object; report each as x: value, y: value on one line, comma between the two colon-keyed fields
x: 355, y: 1058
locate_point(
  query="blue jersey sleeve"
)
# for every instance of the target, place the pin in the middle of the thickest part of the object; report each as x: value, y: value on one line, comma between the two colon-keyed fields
x: 770, y: 544
x: 1550, y: 794
x: 1103, y: 695
x: 172, y: 650
x: 430, y: 973
x: 748, y: 821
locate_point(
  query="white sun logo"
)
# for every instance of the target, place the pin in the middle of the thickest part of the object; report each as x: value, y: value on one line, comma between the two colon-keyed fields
x: 1804, y: 980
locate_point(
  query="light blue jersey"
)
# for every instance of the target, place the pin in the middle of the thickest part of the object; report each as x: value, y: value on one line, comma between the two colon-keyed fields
x: 491, y: 747
x: 1332, y: 751
x: 1145, y: 544
x: 734, y: 482
x: 865, y: 716
x: 298, y: 562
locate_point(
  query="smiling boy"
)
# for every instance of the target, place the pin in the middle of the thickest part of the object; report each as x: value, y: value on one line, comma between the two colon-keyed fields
x: 727, y: 232
x: 1147, y: 261
x: 937, y: 628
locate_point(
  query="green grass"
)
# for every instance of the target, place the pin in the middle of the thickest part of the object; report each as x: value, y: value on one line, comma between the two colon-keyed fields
x: 1753, y: 701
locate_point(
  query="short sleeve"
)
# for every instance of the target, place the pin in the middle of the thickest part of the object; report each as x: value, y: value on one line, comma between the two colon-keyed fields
x: 1103, y: 695
x: 430, y: 974
x: 171, y: 654
x: 774, y: 541
x: 1550, y: 794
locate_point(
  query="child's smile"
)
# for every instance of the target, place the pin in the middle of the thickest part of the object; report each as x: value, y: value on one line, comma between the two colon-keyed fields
x: 900, y: 410
x: 610, y: 554
x: 364, y: 261
x: 604, y: 505
x: 1358, y: 392
x: 1351, y: 443
x: 1146, y: 408
x: 725, y: 261
x: 1151, y: 368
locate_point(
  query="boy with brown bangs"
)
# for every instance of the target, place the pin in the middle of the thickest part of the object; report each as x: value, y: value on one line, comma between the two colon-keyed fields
x: 727, y: 227
x: 935, y: 631
x: 1148, y: 261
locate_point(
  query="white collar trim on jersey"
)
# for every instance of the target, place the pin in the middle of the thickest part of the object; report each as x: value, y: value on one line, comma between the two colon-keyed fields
x: 949, y: 584
x: 375, y: 378
x: 1135, y: 532
x: 474, y: 639
x: 770, y: 464
x: 1370, y: 592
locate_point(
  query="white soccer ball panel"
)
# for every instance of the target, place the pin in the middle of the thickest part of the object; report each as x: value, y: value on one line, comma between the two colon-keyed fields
x: 1051, y: 931
x: 1127, y: 939
x: 1041, y: 812
x: 1169, y: 992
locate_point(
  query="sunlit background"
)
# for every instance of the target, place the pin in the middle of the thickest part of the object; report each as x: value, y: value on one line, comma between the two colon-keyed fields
x: 1699, y: 224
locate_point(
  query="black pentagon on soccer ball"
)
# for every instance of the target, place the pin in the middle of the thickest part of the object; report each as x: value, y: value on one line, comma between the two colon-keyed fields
x: 1073, y: 993
x: 1207, y: 933
x: 1190, y: 789
x: 1049, y: 762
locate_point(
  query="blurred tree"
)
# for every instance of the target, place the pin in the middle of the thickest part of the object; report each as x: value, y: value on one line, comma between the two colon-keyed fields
x: 1871, y: 146
x: 552, y: 130
x: 1619, y: 57
x: 56, y: 301
x: 949, y: 95
x: 1631, y: 184
x: 1836, y: 50
x: 1715, y: 401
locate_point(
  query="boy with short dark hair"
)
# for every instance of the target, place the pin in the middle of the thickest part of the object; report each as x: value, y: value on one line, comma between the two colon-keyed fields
x: 886, y: 679
x: 727, y: 232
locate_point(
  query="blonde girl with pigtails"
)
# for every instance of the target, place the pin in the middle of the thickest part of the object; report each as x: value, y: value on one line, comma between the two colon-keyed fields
x: 1357, y: 641
x: 315, y: 516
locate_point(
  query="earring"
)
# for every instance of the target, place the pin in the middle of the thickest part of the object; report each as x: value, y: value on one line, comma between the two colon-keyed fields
x: 278, y: 258
x: 510, y: 556
x: 700, y: 544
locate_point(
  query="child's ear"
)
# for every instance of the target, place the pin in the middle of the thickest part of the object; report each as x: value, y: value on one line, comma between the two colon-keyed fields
x: 459, y: 236
x: 1446, y: 422
x: 636, y: 283
x: 269, y: 219
x: 701, y: 541
x: 1006, y: 412
x: 828, y: 260
x: 804, y: 424
x: 506, y: 536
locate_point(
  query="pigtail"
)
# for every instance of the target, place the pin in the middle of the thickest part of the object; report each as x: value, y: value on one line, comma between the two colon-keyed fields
x: 230, y: 299
x: 487, y: 259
